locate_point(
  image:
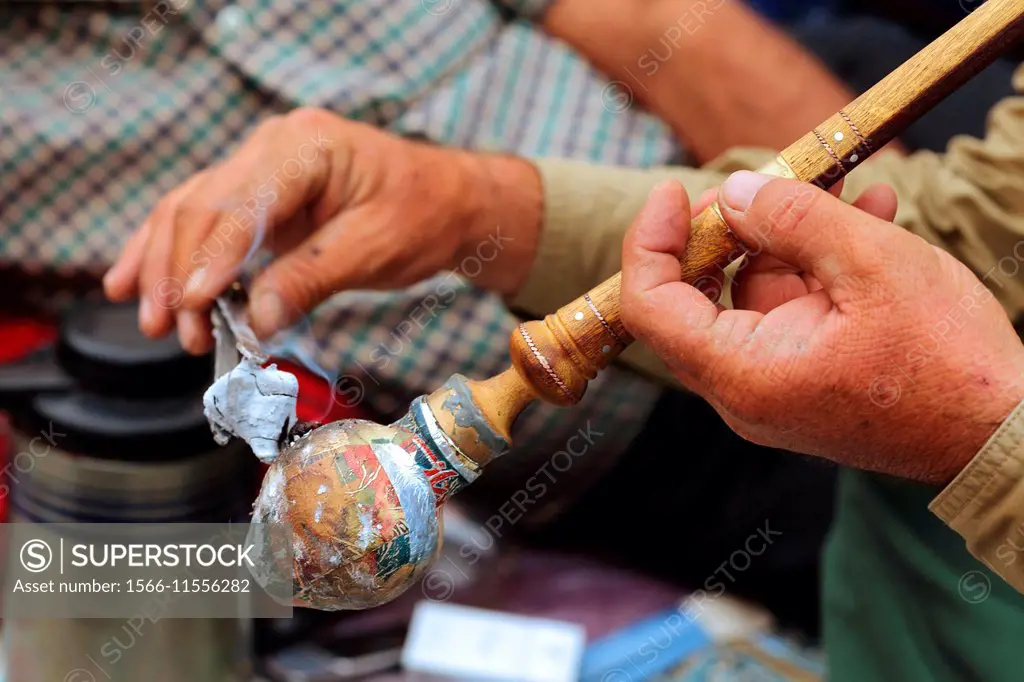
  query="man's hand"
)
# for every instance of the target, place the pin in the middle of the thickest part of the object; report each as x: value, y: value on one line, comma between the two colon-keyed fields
x: 344, y: 206
x: 851, y: 338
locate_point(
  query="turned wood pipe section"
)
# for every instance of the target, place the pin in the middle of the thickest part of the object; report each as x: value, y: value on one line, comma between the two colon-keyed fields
x: 558, y: 356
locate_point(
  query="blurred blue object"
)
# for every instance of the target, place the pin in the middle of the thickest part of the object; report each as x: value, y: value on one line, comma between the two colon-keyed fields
x: 786, y: 11
x: 644, y: 650
x: 669, y: 646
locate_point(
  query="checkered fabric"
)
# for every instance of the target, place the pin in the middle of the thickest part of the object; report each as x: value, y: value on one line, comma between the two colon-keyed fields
x: 104, y: 107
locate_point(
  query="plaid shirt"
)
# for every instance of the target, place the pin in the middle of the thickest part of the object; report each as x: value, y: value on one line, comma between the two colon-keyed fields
x: 106, y: 106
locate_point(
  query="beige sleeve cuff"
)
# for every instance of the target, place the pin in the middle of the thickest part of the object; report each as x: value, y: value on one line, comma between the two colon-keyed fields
x: 587, y: 210
x: 985, y: 503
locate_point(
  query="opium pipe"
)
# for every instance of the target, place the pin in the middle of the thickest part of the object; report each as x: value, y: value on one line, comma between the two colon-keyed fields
x: 362, y: 502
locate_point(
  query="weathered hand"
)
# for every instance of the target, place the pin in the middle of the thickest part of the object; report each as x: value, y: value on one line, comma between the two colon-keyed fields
x: 851, y: 338
x: 343, y: 205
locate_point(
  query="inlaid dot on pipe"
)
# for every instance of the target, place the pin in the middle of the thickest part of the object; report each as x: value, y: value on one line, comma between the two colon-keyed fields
x: 854, y: 158
x: 606, y: 349
x: 838, y: 137
x: 578, y: 316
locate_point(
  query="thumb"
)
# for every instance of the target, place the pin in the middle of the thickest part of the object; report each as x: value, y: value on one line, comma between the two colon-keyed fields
x: 337, y: 256
x: 283, y: 295
x: 805, y: 227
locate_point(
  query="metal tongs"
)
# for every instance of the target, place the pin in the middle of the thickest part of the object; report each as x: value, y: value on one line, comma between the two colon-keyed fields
x: 233, y: 333
x: 248, y: 398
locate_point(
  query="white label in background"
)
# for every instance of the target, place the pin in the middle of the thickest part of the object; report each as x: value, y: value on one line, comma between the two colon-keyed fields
x: 459, y: 641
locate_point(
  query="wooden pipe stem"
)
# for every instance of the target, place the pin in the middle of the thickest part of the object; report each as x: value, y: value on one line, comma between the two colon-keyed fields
x: 554, y: 359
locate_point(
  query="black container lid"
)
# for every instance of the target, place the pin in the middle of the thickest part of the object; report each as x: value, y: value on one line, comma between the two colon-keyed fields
x: 101, y: 348
x: 119, y: 428
x: 111, y: 392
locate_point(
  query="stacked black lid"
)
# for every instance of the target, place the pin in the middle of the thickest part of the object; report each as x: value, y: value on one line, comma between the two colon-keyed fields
x: 110, y: 391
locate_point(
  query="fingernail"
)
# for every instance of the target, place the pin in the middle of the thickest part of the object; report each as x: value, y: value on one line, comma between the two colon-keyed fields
x: 186, y: 329
x: 269, y: 314
x: 664, y: 203
x: 741, y: 187
x: 195, y: 282
x: 146, y: 313
x: 113, y: 286
x: 662, y: 186
x: 109, y: 277
x: 190, y: 330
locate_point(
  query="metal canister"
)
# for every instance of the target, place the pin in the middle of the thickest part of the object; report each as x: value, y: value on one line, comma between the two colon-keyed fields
x: 109, y: 428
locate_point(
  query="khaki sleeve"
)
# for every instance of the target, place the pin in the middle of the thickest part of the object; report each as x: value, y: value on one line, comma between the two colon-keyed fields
x: 985, y: 503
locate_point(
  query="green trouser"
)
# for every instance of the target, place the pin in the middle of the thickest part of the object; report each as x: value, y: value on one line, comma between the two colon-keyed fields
x: 905, y: 601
